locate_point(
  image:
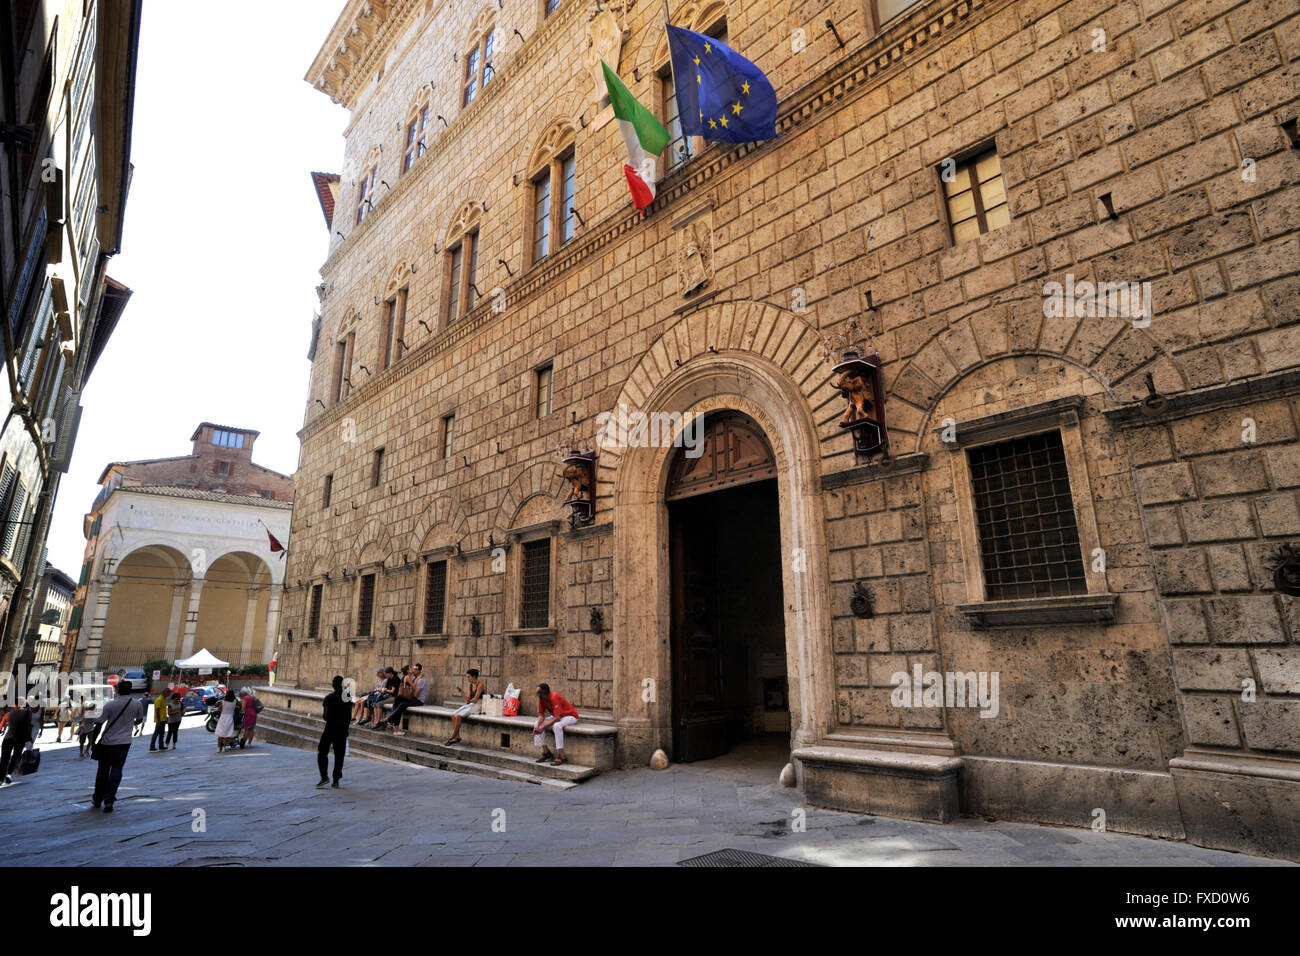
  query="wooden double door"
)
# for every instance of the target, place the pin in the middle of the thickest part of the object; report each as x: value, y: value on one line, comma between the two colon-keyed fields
x: 728, y: 624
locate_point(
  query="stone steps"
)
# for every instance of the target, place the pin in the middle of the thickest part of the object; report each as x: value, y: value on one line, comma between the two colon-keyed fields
x: 302, y: 731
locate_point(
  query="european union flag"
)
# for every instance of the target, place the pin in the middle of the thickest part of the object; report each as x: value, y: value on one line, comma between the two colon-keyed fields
x: 720, y: 94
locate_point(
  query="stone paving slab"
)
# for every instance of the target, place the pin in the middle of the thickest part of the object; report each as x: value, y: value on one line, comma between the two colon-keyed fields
x: 261, y: 808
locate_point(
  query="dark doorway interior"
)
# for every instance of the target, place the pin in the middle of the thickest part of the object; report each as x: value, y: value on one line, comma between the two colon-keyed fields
x: 729, y: 665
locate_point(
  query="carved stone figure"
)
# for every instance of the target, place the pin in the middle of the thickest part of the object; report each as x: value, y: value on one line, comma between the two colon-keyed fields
x: 856, y: 387
x: 605, y: 38
x: 579, y: 478
x: 695, y: 257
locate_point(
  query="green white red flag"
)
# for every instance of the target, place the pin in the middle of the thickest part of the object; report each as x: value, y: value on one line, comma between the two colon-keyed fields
x: 644, y: 135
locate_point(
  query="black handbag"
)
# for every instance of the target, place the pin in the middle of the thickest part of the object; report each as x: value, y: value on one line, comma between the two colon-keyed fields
x: 94, y: 742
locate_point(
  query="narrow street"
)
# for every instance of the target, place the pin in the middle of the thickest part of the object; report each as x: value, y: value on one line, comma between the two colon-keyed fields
x: 260, y: 807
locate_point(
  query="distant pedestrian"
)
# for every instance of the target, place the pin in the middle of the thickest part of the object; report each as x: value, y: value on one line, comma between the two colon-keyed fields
x: 138, y: 718
x: 226, y: 722
x: 175, y: 711
x: 111, y: 745
x: 63, y: 718
x: 85, y: 727
x: 248, y: 707
x: 38, y: 718
x: 337, y: 715
x: 18, y: 738
x: 158, y: 740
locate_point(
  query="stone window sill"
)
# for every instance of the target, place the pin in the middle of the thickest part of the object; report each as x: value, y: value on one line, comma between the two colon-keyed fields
x: 434, y: 640
x: 1024, y: 612
x: 532, y: 635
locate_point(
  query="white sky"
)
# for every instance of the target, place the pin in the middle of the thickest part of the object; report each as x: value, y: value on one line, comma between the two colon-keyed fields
x: 223, y: 242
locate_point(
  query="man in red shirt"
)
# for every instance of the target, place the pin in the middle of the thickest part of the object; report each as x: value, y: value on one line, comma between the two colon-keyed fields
x: 562, y: 715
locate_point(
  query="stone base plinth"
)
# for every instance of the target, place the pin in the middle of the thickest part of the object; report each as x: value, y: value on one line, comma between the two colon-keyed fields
x: 891, y: 783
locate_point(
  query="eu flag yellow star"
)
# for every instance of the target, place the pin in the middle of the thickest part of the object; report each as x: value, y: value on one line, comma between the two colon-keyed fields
x: 723, y: 121
x: 713, y: 125
x: 697, y: 61
x: 707, y: 48
x: 737, y: 108
x: 698, y: 78
x: 744, y: 87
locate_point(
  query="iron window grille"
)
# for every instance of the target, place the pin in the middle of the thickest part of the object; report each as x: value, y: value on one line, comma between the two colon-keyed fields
x: 313, y: 620
x: 435, y: 598
x: 535, y: 607
x: 366, y: 606
x: 1024, y: 511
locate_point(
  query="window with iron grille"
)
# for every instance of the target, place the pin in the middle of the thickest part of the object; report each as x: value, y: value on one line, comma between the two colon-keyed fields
x: 366, y: 605
x: 435, y: 597
x: 313, y: 619
x: 535, y: 603
x: 1029, y: 540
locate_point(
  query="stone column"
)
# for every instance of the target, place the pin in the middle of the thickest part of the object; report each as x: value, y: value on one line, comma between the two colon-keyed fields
x: 192, y: 617
x: 272, y: 620
x: 103, y: 593
x: 174, y: 624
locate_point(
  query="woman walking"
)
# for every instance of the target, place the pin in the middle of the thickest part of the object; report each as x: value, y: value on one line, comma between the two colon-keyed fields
x: 249, y: 707
x: 226, y: 722
x: 175, y: 711
x: 64, y: 717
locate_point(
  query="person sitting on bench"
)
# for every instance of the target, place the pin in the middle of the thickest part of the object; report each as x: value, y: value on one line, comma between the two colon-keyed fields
x: 415, y: 686
x: 359, y: 706
x: 473, y: 704
x: 562, y: 715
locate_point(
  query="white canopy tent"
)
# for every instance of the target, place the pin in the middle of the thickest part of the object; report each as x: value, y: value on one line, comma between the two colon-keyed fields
x: 202, y: 659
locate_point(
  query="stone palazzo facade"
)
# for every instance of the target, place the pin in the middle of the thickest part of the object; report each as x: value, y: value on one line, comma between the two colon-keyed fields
x: 1087, y: 506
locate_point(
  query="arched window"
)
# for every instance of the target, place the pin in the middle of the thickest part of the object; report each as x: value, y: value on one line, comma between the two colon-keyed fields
x: 460, y: 263
x: 417, y: 125
x: 478, y: 51
x: 552, y: 172
x: 345, y: 344
x: 392, y: 334
x: 706, y: 18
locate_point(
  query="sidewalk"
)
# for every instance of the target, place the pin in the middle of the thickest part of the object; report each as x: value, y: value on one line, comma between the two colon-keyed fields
x: 259, y: 807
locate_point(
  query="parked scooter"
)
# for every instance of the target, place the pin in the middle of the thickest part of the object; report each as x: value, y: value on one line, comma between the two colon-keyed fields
x: 214, y: 714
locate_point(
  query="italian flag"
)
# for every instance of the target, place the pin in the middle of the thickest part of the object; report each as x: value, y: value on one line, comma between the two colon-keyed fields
x: 645, y: 137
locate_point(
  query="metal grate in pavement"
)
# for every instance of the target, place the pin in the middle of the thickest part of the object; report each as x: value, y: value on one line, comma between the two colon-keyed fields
x: 741, y: 858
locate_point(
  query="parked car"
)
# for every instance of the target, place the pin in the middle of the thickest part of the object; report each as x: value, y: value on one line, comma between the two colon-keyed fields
x: 139, y: 678
x: 195, y: 701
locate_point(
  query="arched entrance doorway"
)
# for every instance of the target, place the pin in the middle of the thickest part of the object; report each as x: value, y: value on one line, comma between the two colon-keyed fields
x: 728, y: 625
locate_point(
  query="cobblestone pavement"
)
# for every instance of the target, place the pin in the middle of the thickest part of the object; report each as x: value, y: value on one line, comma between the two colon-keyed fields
x: 260, y: 807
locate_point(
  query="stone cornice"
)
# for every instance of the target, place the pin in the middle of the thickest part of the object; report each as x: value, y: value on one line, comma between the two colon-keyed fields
x: 362, y: 35
x: 859, y: 72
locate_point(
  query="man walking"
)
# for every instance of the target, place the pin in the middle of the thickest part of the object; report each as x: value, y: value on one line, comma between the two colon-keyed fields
x: 18, y: 735
x: 338, y: 714
x: 158, y: 740
x: 112, y: 745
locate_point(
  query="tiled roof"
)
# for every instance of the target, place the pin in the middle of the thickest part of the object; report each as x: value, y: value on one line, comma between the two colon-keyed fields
x: 172, y: 491
x: 326, y: 189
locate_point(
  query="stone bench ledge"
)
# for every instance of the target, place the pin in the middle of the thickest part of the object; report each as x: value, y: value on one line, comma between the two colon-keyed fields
x: 517, y: 723
x: 882, y: 759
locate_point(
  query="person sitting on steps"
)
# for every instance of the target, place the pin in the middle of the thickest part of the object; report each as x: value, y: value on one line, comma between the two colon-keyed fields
x: 562, y: 715
x: 473, y: 704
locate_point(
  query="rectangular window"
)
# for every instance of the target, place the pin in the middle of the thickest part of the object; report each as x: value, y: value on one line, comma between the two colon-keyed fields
x: 394, y: 329
x: 544, y: 378
x: 567, y: 168
x: 453, y: 289
x: 679, y: 146
x: 886, y: 10
x: 313, y: 618
x: 340, y: 358
x: 552, y: 6
x: 448, y: 435
x: 1024, y: 511
x: 471, y: 270
x: 541, y: 216
x: 478, y: 67
x: 435, y: 597
x: 223, y: 468
x: 379, y: 467
x: 488, y: 69
x: 535, y: 598
x: 977, y: 201
x: 366, y: 605
x: 329, y: 491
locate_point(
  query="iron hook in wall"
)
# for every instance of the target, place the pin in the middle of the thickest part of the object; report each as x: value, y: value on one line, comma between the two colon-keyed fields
x: 508, y: 269
x: 831, y: 26
x: 582, y: 221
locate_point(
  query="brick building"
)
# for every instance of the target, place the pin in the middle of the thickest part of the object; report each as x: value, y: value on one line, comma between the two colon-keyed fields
x: 1085, y: 499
